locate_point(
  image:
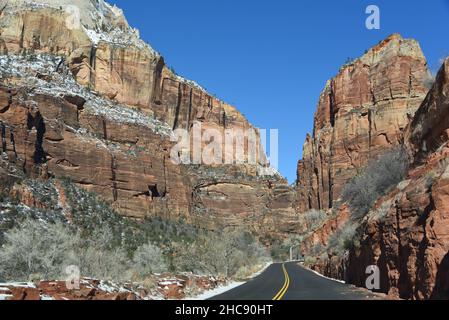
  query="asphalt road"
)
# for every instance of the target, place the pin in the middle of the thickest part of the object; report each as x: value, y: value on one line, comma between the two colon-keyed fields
x: 290, y: 281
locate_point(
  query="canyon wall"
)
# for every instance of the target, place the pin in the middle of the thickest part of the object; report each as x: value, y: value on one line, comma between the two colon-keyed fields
x: 376, y: 102
x: 108, y: 57
x: 361, y: 113
x: 94, y: 103
x: 407, y: 234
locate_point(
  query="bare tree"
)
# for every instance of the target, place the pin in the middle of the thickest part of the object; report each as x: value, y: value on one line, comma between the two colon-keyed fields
x: 221, y: 253
x: 37, y: 248
x: 148, y: 259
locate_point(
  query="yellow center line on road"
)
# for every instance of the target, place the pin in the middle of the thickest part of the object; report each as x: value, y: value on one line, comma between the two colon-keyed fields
x: 284, y: 289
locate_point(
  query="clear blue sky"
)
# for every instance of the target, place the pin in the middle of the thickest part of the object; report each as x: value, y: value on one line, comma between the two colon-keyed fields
x: 271, y: 58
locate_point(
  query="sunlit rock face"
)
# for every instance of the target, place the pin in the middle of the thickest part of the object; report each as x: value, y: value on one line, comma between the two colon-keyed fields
x: 362, y: 112
x: 88, y: 99
x: 405, y: 233
x: 409, y: 242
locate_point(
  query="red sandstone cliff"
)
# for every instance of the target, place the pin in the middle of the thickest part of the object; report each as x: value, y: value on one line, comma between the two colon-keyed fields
x: 405, y: 234
x: 361, y: 113
x: 410, y: 240
x: 96, y: 104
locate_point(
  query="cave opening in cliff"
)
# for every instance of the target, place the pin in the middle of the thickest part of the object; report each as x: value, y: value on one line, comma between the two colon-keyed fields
x: 154, y: 192
x: 38, y: 123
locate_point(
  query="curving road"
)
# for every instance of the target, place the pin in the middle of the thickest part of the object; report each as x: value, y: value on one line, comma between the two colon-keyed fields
x: 290, y: 281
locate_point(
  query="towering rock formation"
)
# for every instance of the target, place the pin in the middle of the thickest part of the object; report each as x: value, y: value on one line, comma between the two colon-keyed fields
x: 87, y: 99
x: 407, y: 234
x: 107, y: 56
x: 361, y: 113
x: 378, y: 102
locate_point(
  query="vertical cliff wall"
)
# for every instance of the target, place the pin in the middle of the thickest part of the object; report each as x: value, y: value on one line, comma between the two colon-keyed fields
x: 362, y: 112
x: 94, y: 103
x: 407, y: 233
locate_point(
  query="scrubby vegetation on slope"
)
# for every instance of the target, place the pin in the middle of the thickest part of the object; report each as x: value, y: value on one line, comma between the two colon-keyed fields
x: 86, y: 232
x: 360, y: 194
x: 375, y: 180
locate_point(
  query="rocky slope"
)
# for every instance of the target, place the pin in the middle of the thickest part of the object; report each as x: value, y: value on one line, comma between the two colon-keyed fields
x: 361, y: 113
x: 94, y: 103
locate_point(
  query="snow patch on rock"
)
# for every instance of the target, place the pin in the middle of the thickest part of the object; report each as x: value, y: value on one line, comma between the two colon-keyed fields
x: 47, y: 75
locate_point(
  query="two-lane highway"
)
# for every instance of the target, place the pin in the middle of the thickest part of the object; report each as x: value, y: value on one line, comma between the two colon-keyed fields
x: 290, y: 281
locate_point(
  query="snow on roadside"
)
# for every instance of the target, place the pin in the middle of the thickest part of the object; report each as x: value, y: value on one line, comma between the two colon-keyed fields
x: 228, y: 287
x: 322, y: 276
x: 262, y: 270
x: 165, y: 283
x: 217, y: 291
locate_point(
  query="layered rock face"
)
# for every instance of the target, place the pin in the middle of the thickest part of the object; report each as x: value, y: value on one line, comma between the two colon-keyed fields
x: 368, y: 108
x: 48, y: 135
x: 428, y: 130
x: 94, y: 103
x: 107, y: 56
x: 362, y: 112
x: 407, y: 235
